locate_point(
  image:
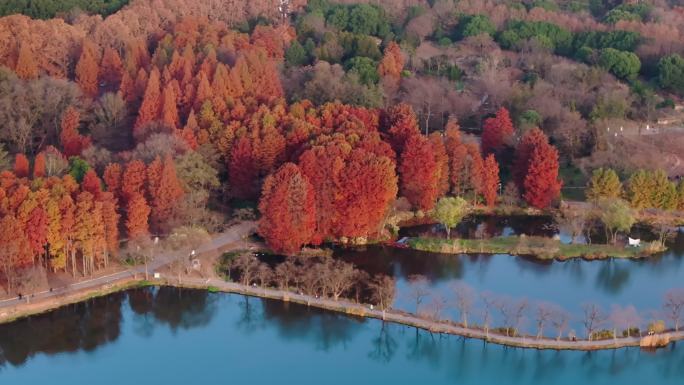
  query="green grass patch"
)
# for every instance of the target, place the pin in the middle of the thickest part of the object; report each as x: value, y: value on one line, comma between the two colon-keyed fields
x: 213, y: 289
x: 540, y: 247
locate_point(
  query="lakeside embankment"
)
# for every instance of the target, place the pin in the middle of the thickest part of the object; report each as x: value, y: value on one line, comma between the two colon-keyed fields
x: 538, y: 247
x: 346, y: 307
x: 407, y: 319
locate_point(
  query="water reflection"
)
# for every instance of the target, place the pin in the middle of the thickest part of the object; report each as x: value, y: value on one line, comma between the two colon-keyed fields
x: 295, y: 321
x: 83, y: 326
x: 641, y: 283
x: 286, y: 343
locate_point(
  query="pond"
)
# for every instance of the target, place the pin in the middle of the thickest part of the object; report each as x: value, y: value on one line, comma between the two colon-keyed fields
x: 174, y: 336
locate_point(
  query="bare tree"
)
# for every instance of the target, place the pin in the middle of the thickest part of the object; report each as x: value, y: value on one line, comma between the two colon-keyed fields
x: 593, y: 318
x: 573, y: 221
x: 624, y: 319
x: 436, y: 307
x: 360, y: 282
x: 263, y: 274
x: 383, y: 291
x: 418, y: 289
x: 464, y: 296
x: 511, y: 312
x: 284, y: 274
x: 247, y: 265
x: 559, y: 320
x: 339, y: 278
x: 519, y: 310
x: 673, y: 305
x: 542, y: 314
x: 488, y: 302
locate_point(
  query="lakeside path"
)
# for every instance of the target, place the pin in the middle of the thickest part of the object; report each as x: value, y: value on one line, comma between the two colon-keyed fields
x: 222, y: 240
x: 359, y: 310
x: 14, y: 308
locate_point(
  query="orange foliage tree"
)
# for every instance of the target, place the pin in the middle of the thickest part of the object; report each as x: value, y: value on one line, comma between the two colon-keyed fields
x: 419, y: 174
x: 392, y: 62
x: 21, y: 166
x: 39, y: 165
x: 73, y: 143
x: 288, y: 207
x: 138, y: 215
x: 542, y: 185
x: 497, y: 131
x: 165, y: 197
x: 490, y: 180
x: 87, y: 70
x: 26, y: 67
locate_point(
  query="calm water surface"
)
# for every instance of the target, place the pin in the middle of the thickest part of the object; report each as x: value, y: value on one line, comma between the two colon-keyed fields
x: 172, y: 336
x: 641, y: 283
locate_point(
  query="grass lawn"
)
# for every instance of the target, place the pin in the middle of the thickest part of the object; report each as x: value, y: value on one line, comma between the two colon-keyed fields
x: 540, y: 247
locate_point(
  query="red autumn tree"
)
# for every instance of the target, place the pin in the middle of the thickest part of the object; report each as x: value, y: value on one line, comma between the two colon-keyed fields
x: 400, y: 124
x: 154, y: 175
x: 151, y: 104
x: 73, y: 143
x: 169, y: 107
x: 133, y: 179
x: 26, y: 67
x: 442, y: 159
x: 531, y: 139
x: 490, y: 180
x: 92, y: 183
x: 475, y: 165
x: 111, y: 69
x: 368, y: 185
x: 242, y: 170
x: 542, y: 185
x: 418, y: 173
x: 138, y: 212
x: 36, y: 231
x: 165, y: 198
x: 287, y: 207
x: 497, y: 131
x: 21, y: 166
x: 87, y: 69
x: 13, y: 249
x: 39, y: 166
x: 112, y: 179
x: 110, y: 219
x: 392, y: 62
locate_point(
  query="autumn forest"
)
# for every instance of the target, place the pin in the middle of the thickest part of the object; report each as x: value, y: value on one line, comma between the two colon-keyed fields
x: 119, y: 125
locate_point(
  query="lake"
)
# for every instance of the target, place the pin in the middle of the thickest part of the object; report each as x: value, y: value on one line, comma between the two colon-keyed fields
x: 178, y: 336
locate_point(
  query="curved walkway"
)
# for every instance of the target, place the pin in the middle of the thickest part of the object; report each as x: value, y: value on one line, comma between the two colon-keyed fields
x: 360, y: 310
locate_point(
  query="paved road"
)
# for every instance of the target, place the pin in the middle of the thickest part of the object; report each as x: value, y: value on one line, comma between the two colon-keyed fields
x: 232, y: 234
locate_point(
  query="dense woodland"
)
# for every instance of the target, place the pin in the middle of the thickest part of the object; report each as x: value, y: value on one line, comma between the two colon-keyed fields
x: 168, y: 114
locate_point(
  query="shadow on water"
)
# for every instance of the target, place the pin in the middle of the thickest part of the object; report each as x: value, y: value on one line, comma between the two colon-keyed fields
x: 88, y: 325
x: 326, y: 329
x: 82, y: 326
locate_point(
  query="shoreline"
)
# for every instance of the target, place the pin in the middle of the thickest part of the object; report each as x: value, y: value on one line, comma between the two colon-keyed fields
x: 341, y: 306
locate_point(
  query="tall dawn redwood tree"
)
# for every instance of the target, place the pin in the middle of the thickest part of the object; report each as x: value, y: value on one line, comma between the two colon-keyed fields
x: 151, y: 104
x: 496, y: 131
x: 138, y: 212
x: 541, y: 184
x: 490, y: 180
x: 87, y: 70
x: 288, y: 210
x: 418, y: 173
